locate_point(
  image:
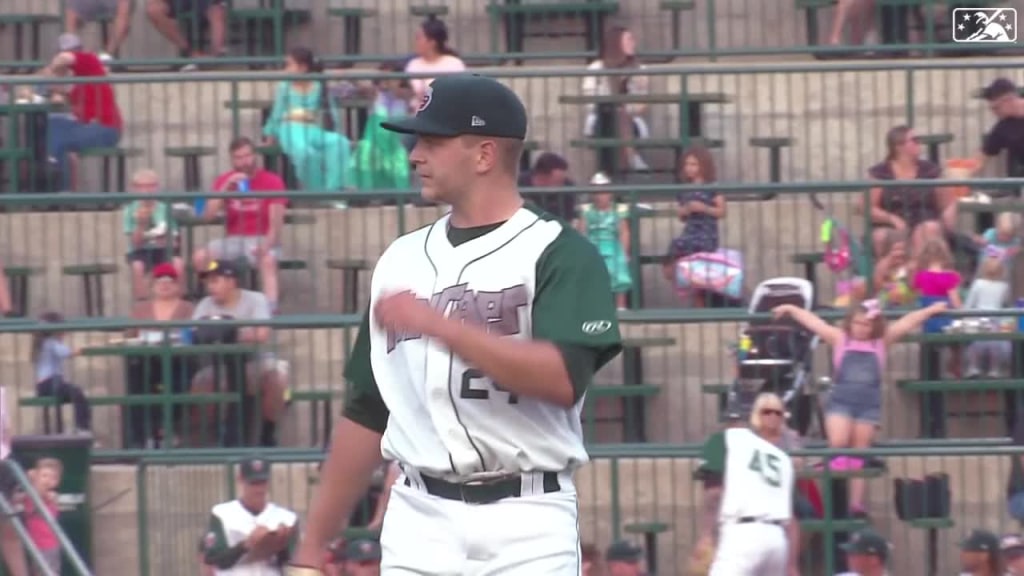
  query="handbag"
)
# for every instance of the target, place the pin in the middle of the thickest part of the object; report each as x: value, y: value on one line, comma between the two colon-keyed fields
x: 720, y: 272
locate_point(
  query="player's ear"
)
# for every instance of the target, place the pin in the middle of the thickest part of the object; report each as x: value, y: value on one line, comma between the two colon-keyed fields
x: 487, y: 156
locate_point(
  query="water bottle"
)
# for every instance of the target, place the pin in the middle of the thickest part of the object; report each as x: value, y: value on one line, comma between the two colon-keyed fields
x: 243, y: 186
x: 1020, y: 319
x: 185, y: 336
x: 745, y: 345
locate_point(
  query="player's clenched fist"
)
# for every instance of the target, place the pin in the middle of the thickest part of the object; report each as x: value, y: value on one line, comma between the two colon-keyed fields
x: 402, y: 312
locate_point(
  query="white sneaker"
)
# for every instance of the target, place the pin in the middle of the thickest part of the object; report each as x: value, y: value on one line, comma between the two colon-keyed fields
x: 105, y: 58
x: 638, y: 164
x: 996, y: 374
x: 972, y: 372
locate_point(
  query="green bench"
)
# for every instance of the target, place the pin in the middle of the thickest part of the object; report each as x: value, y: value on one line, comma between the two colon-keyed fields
x: 34, y: 23
x: 810, y: 261
x: 92, y: 283
x: 275, y: 160
x: 774, y: 145
x: 428, y: 10
x: 515, y: 14
x: 251, y: 277
x: 352, y: 26
x: 190, y: 155
x: 18, y: 287
x: 810, y: 8
x: 626, y: 394
x: 265, y: 25
x: 350, y: 271
x: 952, y: 386
x: 119, y: 157
x: 933, y: 142
x: 677, y: 145
x: 822, y: 526
x: 322, y: 414
x: 676, y: 9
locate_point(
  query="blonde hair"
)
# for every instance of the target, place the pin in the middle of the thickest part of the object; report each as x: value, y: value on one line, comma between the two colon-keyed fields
x: 993, y: 269
x: 1007, y: 222
x: 934, y: 251
x: 764, y: 400
x: 145, y: 175
x: 52, y: 464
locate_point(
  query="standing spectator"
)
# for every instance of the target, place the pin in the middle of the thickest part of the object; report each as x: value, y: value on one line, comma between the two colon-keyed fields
x: 1012, y: 548
x: 381, y: 160
x: 252, y: 225
x: 606, y: 224
x: 624, y: 559
x: 550, y: 171
x: 362, y: 557
x: 163, y: 15
x: 45, y: 478
x: 251, y: 534
x: 10, y: 543
x: 980, y: 554
x: 1007, y: 133
x: 79, y: 11
x: 859, y: 15
x: 152, y: 234
x: 624, y: 121
x: 265, y: 376
x: 304, y: 121
x: 433, y: 56
x: 48, y: 355
x: 95, y: 121
x: 935, y: 280
x: 989, y: 291
x: 923, y: 213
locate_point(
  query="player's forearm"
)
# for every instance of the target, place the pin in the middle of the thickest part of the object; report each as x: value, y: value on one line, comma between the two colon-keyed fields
x: 709, y: 515
x: 226, y: 557
x: 529, y: 368
x: 346, y: 474
x: 793, y: 535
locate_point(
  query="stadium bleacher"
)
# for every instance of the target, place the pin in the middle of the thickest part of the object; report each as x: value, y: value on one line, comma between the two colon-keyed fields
x: 738, y: 77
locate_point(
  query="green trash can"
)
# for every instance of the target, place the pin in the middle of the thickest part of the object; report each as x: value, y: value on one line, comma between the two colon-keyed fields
x: 74, y: 452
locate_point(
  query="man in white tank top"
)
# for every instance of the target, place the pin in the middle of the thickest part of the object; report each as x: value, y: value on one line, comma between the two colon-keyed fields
x: 748, y: 499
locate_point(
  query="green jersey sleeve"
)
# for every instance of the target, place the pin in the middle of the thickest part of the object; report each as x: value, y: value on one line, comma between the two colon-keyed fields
x: 363, y: 402
x: 712, y: 457
x: 216, y: 551
x: 574, y: 307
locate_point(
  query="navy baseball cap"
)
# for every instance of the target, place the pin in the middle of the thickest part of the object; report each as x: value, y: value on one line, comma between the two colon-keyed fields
x: 466, y: 104
x: 623, y: 551
x: 998, y: 88
x: 980, y: 541
x: 255, y: 470
x: 867, y: 542
x: 225, y: 268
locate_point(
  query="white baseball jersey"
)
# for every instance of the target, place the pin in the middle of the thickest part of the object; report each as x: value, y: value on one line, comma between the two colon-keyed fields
x: 231, y: 523
x: 758, y: 476
x: 449, y: 419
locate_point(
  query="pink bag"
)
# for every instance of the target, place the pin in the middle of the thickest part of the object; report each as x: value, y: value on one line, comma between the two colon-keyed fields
x: 720, y: 272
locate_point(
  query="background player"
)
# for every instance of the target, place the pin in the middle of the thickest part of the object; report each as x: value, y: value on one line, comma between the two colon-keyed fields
x: 748, y: 499
x: 484, y: 331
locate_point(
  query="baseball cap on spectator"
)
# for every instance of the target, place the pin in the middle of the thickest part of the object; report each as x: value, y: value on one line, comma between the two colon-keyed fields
x: 1012, y: 545
x: 165, y: 270
x: 254, y: 470
x: 225, y: 268
x: 466, y: 104
x: 867, y: 542
x: 600, y: 179
x: 362, y: 550
x: 998, y: 88
x: 69, y: 42
x: 623, y: 551
x: 980, y: 541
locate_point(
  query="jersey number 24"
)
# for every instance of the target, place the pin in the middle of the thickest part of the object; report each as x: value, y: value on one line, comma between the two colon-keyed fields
x: 471, y: 393
x: 766, y: 465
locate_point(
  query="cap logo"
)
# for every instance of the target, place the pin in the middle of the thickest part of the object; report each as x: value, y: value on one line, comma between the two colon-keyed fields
x: 428, y: 97
x: 210, y: 540
x: 257, y: 465
x: 477, y: 122
x: 365, y: 547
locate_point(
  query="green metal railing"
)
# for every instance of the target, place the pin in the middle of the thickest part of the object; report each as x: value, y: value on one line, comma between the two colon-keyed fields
x: 495, y: 31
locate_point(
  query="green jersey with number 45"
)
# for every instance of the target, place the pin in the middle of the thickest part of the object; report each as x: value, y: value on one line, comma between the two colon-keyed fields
x: 757, y: 476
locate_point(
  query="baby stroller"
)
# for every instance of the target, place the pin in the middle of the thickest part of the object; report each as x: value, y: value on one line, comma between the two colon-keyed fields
x: 775, y: 355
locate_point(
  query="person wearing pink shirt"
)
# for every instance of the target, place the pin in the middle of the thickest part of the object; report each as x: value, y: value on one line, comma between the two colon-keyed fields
x: 45, y: 478
x: 433, y: 56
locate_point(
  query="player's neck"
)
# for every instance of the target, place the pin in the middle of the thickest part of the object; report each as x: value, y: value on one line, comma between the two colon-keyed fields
x: 485, y: 208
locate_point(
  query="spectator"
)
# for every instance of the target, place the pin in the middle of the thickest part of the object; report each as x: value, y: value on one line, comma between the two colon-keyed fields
x: 362, y: 557
x: 1007, y: 133
x: 251, y: 534
x: 980, y: 554
x: 922, y: 212
x: 859, y: 15
x: 79, y: 11
x: 624, y: 559
x: 550, y: 171
x: 867, y: 552
x: 624, y: 121
x: 48, y: 355
x: 45, y: 478
x: 95, y: 119
x: 381, y: 157
x: 1003, y: 239
x: 10, y: 543
x: 163, y: 15
x: 1012, y: 548
x: 989, y: 291
x: 305, y: 123
x: 6, y: 306
x: 433, y: 56
x: 152, y: 234
x: 700, y: 210
x: 266, y: 377
x: 253, y: 225
x: 589, y: 559
x: 935, y: 280
x: 606, y: 224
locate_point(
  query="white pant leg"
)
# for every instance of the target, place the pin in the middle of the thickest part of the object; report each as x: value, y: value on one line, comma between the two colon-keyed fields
x: 421, y: 534
x: 751, y: 549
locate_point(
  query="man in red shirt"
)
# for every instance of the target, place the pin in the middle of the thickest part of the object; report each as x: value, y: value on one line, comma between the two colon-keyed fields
x: 253, y: 225
x: 94, y: 120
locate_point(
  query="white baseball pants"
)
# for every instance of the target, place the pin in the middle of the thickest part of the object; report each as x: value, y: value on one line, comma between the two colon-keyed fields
x: 751, y: 549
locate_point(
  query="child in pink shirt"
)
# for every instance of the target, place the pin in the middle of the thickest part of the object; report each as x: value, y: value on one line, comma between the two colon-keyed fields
x: 45, y: 479
x: 937, y: 281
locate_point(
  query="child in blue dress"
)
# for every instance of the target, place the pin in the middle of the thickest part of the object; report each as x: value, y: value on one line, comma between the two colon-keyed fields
x: 606, y: 224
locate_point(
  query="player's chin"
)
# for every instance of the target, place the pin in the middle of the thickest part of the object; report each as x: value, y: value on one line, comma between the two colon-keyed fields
x: 429, y: 193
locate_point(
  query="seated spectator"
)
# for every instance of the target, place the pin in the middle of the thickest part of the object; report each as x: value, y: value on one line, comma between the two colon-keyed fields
x: 48, y: 355
x: 606, y: 224
x: 589, y: 560
x: 625, y: 121
x: 381, y: 159
x: 266, y: 376
x: 253, y: 225
x: 45, y: 478
x: 922, y: 212
x: 989, y: 291
x: 1007, y: 133
x: 304, y: 121
x: 152, y: 234
x: 163, y: 15
x: 624, y: 559
x: 77, y: 12
x: 700, y: 210
x: 362, y: 557
x: 6, y: 306
x: 980, y: 554
x: 1011, y: 547
x: 95, y: 119
x: 1003, y: 238
x: 550, y: 171
x: 433, y: 56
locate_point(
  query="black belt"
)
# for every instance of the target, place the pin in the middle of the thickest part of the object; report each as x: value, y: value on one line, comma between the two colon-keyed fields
x: 483, y: 491
x: 756, y: 520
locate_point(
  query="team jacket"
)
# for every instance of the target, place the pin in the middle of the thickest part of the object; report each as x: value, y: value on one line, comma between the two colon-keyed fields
x: 230, y: 524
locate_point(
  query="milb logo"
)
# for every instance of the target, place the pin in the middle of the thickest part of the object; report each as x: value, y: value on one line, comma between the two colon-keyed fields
x: 984, y: 25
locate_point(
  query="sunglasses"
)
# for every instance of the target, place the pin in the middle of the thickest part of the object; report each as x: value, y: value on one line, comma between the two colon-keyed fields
x: 771, y: 412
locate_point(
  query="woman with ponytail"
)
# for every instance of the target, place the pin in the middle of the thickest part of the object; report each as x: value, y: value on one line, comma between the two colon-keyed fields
x: 433, y: 56
x: 304, y: 122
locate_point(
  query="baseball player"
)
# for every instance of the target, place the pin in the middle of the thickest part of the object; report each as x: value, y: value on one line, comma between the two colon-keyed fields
x: 484, y: 331
x: 250, y: 536
x: 867, y: 552
x: 979, y: 554
x: 1012, y: 548
x: 748, y: 499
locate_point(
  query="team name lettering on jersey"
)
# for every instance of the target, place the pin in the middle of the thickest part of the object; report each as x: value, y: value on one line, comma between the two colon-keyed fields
x: 497, y: 312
